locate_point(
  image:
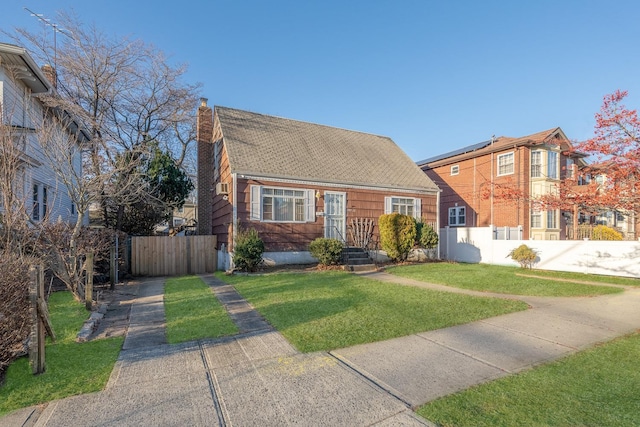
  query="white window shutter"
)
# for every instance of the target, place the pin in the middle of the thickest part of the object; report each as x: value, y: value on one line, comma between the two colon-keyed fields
x: 310, y: 205
x: 387, y: 205
x: 256, y: 203
x: 417, y: 208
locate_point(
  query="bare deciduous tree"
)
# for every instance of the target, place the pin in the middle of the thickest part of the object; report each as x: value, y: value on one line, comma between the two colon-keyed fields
x: 126, y: 94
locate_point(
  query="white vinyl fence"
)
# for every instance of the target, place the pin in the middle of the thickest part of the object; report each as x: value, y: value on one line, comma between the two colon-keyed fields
x: 477, y: 244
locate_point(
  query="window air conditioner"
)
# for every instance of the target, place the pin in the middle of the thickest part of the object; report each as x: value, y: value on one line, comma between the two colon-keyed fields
x: 222, y: 188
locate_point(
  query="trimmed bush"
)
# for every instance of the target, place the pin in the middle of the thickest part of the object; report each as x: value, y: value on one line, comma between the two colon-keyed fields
x: 524, y: 255
x: 327, y: 251
x: 397, y: 235
x: 602, y: 232
x: 426, y: 236
x: 248, y: 250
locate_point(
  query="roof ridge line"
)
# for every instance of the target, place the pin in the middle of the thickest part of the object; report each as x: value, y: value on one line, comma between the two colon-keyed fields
x: 305, y: 122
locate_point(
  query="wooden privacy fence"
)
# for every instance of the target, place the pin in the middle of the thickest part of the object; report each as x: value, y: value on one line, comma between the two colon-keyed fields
x: 173, y: 256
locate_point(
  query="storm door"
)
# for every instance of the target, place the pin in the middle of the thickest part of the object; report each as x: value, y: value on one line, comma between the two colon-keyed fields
x: 335, y: 212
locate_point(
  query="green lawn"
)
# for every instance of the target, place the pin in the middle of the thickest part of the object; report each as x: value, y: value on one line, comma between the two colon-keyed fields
x: 328, y: 310
x: 494, y: 278
x: 581, y: 277
x: 597, y: 387
x: 72, y: 368
x: 193, y: 312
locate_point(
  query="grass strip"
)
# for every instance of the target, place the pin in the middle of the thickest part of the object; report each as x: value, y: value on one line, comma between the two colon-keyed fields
x: 596, y: 387
x: 496, y: 278
x: 71, y: 368
x: 328, y: 310
x: 193, y: 312
x: 582, y: 277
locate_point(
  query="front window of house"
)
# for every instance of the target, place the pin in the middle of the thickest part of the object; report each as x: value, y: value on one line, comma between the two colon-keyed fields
x: 282, y: 205
x: 536, y: 164
x: 455, y: 169
x: 404, y: 206
x: 274, y: 204
x: 457, y: 216
x: 505, y: 164
x: 411, y: 206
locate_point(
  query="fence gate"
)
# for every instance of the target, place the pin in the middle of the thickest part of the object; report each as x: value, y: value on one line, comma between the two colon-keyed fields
x: 173, y: 255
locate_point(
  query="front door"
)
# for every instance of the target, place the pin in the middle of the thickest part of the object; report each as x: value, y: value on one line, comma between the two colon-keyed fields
x: 335, y: 212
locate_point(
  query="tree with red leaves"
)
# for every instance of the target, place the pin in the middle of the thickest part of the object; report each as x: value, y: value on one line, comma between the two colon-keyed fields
x: 615, y: 152
x: 615, y: 148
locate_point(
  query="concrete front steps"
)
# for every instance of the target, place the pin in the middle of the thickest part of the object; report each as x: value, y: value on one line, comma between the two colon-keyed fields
x: 357, y: 260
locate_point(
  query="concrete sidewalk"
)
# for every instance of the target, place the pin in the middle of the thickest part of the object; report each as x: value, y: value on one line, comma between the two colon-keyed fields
x: 429, y: 365
x: 258, y: 378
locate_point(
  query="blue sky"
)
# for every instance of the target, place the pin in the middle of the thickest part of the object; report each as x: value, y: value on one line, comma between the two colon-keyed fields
x: 432, y: 75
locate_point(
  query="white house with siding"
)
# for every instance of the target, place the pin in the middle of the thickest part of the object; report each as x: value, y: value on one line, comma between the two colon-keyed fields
x: 21, y: 115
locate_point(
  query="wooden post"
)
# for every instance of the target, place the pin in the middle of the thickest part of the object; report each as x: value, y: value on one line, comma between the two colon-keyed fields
x: 40, y: 322
x: 113, y: 259
x: 36, y: 342
x: 88, y: 289
x: 576, y: 216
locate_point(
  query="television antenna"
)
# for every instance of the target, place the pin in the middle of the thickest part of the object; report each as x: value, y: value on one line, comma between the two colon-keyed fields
x: 56, y: 29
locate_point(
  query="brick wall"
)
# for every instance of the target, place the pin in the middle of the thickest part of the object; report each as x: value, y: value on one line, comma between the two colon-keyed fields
x: 204, y: 135
x: 473, y: 180
x: 361, y: 203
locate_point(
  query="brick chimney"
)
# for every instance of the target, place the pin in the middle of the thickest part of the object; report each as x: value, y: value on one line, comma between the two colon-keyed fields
x: 206, y: 184
x: 51, y: 75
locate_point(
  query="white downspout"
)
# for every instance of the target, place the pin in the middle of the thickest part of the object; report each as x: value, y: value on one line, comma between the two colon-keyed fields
x: 493, y: 137
x: 234, y: 215
x: 438, y: 219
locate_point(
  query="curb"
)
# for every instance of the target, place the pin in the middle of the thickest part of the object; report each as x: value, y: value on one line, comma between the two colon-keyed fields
x: 91, y: 324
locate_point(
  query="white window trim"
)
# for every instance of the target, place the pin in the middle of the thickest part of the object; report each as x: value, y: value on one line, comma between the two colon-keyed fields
x: 537, y: 214
x: 457, y: 216
x: 417, y: 205
x: 455, y: 170
x: 540, y: 165
x: 256, y: 193
x: 554, y: 215
x: 217, y: 145
x: 512, y: 163
x: 43, y: 202
x: 556, y: 173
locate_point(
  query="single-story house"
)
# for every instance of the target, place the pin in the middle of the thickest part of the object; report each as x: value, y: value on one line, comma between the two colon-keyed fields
x: 294, y: 181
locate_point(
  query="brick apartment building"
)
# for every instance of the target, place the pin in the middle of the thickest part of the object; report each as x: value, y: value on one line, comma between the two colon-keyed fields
x: 532, y: 164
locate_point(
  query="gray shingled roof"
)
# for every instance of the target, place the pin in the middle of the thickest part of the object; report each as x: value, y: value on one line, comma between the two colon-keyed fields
x: 270, y: 146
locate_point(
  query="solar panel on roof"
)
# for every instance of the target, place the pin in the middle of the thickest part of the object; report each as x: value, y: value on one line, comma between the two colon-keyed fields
x: 457, y: 152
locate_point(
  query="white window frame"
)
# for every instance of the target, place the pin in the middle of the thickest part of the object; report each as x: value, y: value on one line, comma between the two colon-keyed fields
x: 40, y: 201
x: 392, y: 202
x: 217, y: 145
x: 552, y: 166
x: 506, y: 165
x: 536, y: 168
x: 455, y: 170
x: 537, y: 215
x: 569, y: 167
x: 552, y: 219
x: 257, y: 203
x: 456, y: 213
